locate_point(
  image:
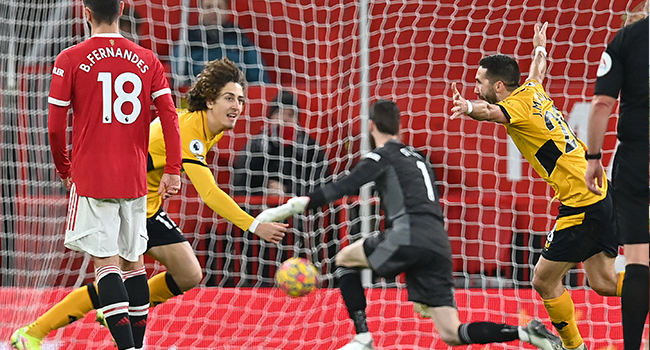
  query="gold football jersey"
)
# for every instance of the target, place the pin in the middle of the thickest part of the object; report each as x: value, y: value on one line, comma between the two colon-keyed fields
x: 545, y: 139
x: 196, y: 142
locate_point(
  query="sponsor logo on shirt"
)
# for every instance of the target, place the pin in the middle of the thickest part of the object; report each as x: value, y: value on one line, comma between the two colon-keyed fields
x: 57, y: 71
x: 605, y: 64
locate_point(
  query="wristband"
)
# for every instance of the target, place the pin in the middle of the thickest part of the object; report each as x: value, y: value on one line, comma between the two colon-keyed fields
x: 593, y: 156
x: 470, y: 107
x: 253, y: 226
x: 541, y: 49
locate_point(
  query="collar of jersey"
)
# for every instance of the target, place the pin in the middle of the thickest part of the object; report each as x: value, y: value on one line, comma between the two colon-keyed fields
x: 107, y: 35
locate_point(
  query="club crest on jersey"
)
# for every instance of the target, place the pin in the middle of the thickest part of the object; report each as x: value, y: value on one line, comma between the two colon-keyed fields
x: 605, y: 64
x: 197, y: 148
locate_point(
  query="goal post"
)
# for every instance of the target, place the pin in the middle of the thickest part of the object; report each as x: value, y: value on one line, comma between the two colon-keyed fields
x: 497, y: 209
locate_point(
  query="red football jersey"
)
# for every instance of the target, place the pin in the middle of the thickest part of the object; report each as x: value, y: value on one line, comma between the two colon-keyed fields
x: 110, y: 83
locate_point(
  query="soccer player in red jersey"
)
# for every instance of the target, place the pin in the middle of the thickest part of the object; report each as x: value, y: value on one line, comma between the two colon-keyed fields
x: 110, y: 83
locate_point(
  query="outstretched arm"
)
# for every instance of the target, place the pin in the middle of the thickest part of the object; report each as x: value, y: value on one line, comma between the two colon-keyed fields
x: 538, y: 66
x: 225, y: 206
x: 365, y: 171
x: 479, y: 110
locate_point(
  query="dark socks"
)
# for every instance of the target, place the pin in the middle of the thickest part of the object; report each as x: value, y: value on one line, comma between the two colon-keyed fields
x: 487, y: 332
x: 94, y: 298
x: 353, y: 296
x: 634, y: 304
x: 115, y: 305
x: 137, y: 287
x: 171, y: 284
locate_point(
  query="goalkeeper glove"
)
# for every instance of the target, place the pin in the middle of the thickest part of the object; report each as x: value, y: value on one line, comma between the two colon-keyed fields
x: 293, y: 206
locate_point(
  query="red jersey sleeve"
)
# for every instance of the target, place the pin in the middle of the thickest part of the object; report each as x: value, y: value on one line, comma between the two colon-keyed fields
x: 59, y: 100
x: 162, y: 99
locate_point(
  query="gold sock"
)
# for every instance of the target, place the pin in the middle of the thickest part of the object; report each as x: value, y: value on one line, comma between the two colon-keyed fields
x: 159, y: 290
x: 73, y: 307
x: 619, y: 284
x: 562, y: 314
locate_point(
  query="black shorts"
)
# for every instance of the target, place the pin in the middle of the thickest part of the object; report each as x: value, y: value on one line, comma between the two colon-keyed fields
x: 428, y: 272
x: 583, y: 232
x: 630, y: 192
x: 162, y: 230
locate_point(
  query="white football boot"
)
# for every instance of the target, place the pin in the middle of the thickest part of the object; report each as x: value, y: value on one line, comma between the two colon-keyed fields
x: 535, y: 333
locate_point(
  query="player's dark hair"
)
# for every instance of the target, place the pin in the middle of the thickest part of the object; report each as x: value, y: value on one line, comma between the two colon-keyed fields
x: 104, y: 11
x: 211, y: 81
x: 386, y: 116
x: 284, y: 99
x: 501, y: 68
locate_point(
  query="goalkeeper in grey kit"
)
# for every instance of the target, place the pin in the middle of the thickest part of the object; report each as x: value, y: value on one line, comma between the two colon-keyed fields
x: 415, y: 241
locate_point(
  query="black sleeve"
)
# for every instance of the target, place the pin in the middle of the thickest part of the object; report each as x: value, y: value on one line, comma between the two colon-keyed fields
x: 367, y: 170
x: 611, y: 70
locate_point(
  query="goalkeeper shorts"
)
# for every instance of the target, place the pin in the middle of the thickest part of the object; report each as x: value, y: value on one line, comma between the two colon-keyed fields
x: 428, y: 272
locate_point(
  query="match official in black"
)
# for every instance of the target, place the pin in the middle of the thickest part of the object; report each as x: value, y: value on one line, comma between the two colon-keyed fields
x: 624, y: 69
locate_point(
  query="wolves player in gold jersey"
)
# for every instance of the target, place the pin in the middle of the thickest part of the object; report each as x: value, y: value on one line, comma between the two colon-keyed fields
x: 215, y: 102
x: 584, y: 229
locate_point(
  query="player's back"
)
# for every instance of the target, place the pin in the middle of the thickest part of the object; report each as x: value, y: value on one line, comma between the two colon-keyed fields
x: 544, y: 138
x: 109, y: 82
x: 407, y: 182
x: 409, y: 196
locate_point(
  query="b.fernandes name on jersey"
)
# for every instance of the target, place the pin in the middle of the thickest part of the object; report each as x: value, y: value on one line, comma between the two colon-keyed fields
x: 116, y: 52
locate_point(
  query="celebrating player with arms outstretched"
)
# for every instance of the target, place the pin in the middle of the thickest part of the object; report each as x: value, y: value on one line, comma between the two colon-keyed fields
x: 215, y: 101
x: 584, y: 230
x: 415, y: 241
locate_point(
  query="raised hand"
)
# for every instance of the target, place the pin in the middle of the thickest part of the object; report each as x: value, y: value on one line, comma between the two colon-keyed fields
x: 460, y: 104
x: 539, y: 39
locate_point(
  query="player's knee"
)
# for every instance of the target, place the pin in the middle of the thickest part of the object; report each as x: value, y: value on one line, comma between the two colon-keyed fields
x: 539, y: 284
x: 449, y: 336
x: 603, y: 287
x: 343, y: 258
x: 190, y: 279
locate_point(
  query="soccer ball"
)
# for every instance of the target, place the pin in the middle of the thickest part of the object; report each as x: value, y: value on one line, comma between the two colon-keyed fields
x: 297, y: 277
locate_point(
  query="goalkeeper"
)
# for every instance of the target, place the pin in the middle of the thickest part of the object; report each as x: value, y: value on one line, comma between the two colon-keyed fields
x: 415, y: 241
x: 585, y: 226
x: 215, y: 103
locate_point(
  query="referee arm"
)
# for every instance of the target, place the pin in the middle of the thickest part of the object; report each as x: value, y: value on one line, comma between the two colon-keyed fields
x: 601, y: 109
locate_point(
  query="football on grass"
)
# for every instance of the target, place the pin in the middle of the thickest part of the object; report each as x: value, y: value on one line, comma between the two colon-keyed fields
x: 297, y: 277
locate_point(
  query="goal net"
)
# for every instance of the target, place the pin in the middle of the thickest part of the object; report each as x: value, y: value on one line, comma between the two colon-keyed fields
x: 497, y: 209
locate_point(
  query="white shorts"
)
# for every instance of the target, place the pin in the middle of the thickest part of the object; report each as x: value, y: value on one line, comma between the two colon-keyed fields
x: 107, y: 227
